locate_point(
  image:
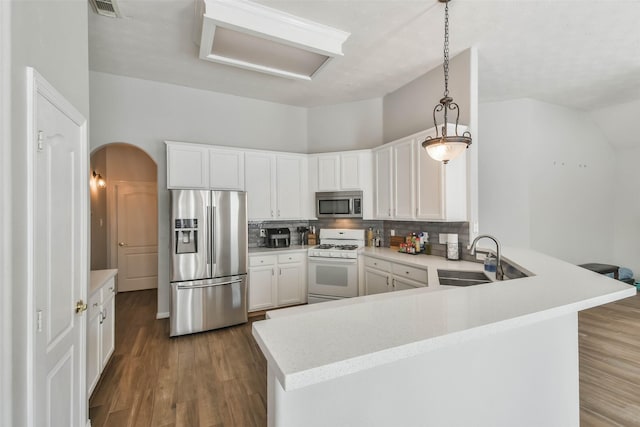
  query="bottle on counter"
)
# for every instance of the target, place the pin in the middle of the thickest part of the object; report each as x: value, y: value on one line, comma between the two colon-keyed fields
x: 378, y: 239
x: 370, y: 236
x: 453, y: 249
x: 490, y: 264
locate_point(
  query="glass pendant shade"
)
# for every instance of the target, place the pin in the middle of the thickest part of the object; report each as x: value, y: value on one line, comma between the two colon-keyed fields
x: 443, y: 151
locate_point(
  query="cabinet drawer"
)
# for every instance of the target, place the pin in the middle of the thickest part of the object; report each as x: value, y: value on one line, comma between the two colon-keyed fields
x: 377, y: 263
x: 95, y: 302
x: 417, y: 274
x: 293, y: 257
x: 258, y: 260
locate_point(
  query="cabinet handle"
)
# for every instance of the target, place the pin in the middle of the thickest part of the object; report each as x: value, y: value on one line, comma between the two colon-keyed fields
x: 104, y: 315
x: 387, y: 280
x: 389, y: 211
x: 271, y: 214
x: 278, y: 213
x: 273, y: 273
x: 393, y: 283
x: 101, y: 318
x: 407, y: 272
x: 280, y: 272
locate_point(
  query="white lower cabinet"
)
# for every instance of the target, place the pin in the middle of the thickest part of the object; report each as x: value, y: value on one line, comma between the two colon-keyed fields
x: 277, y: 280
x: 376, y: 281
x: 384, y: 276
x: 100, y: 332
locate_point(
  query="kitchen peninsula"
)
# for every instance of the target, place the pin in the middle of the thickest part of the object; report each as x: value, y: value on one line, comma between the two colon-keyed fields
x: 499, y: 354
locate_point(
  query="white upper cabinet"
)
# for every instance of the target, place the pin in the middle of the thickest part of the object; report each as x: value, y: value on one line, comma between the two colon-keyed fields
x: 226, y: 169
x: 343, y: 171
x: 403, y: 174
x: 411, y: 185
x: 204, y: 166
x: 329, y: 172
x: 187, y: 165
x: 276, y: 185
x: 290, y: 186
x: 382, y: 159
x: 260, y: 185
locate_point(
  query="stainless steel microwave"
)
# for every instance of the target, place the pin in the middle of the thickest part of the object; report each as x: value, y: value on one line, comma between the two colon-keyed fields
x: 339, y: 204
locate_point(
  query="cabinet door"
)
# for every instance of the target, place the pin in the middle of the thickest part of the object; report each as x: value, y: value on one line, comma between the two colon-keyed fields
x: 260, y: 185
x: 403, y: 180
x: 328, y: 173
x: 350, y: 172
x: 108, y: 326
x: 401, y: 284
x: 429, y: 186
x: 289, y: 187
x: 291, y: 283
x: 226, y: 169
x: 375, y: 282
x: 187, y: 166
x: 383, y: 180
x: 93, y: 352
x: 262, y: 288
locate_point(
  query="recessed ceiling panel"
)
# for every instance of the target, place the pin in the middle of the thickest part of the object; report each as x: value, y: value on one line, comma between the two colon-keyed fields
x: 265, y: 53
x: 248, y: 35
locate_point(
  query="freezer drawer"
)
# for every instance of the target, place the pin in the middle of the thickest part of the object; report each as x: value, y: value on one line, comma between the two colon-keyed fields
x: 202, y: 305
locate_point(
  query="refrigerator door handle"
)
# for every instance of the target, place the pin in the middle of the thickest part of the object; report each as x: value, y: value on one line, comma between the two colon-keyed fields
x: 209, y: 240
x: 209, y: 285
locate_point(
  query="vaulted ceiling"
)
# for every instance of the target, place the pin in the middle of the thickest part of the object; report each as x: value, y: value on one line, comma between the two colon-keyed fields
x: 578, y: 53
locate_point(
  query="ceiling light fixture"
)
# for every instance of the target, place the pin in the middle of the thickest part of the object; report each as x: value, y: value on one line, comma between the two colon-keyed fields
x: 248, y: 35
x: 444, y: 147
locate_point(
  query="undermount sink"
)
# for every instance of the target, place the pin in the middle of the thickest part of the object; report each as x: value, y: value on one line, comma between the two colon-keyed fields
x: 462, y: 278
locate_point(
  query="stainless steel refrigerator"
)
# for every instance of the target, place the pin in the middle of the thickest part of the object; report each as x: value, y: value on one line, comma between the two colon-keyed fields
x: 208, y: 260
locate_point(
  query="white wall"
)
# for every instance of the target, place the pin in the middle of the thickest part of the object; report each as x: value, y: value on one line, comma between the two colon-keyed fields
x: 349, y: 126
x: 50, y: 36
x: 409, y: 109
x: 145, y: 114
x: 627, y: 210
x: 6, y: 376
x: 546, y: 176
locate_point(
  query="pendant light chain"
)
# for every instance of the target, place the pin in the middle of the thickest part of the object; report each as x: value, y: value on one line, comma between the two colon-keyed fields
x: 445, y: 65
x: 444, y: 147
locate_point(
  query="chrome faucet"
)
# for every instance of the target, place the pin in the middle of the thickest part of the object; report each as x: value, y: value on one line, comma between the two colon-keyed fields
x: 499, y: 272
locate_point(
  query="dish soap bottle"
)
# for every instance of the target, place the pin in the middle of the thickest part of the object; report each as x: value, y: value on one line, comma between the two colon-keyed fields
x: 490, y: 264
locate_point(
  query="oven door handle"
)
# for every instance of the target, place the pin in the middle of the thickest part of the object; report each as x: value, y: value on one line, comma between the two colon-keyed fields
x: 327, y: 260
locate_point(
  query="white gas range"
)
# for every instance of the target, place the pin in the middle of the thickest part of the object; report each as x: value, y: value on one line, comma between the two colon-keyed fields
x: 333, y: 265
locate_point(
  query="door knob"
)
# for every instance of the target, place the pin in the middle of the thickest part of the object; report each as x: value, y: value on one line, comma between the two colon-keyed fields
x: 122, y: 244
x: 81, y: 306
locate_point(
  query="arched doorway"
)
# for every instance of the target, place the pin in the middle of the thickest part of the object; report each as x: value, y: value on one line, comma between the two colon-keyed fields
x: 124, y: 215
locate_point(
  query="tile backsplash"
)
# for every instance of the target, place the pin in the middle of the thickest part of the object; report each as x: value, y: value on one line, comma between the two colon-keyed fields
x: 401, y: 228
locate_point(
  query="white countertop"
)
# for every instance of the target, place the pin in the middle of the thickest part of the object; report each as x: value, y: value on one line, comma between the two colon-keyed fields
x: 306, y: 345
x: 98, y: 278
x: 265, y: 250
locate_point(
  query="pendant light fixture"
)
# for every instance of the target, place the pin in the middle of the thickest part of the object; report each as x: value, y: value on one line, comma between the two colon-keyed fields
x: 444, y: 147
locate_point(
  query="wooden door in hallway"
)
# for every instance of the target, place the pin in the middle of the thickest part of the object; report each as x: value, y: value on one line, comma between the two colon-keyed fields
x: 137, y: 235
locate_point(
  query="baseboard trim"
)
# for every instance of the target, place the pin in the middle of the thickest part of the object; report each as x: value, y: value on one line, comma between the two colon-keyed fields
x: 163, y: 315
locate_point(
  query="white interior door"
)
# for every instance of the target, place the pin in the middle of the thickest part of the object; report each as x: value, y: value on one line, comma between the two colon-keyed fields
x: 59, y: 210
x: 137, y: 235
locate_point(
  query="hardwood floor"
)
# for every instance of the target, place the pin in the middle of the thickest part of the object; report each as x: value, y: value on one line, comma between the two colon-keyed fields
x: 215, y: 378
x: 610, y: 364
x: 218, y: 378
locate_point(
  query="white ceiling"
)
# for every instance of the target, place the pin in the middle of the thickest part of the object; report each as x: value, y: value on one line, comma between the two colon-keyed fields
x: 579, y: 53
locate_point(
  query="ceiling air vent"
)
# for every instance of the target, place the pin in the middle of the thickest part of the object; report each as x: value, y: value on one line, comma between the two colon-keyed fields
x: 106, y: 8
